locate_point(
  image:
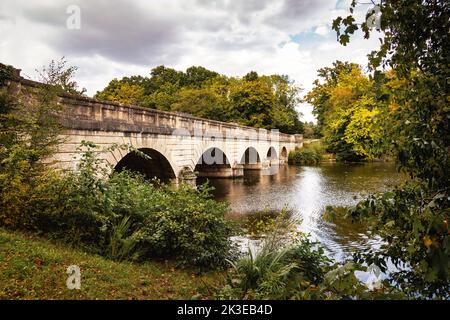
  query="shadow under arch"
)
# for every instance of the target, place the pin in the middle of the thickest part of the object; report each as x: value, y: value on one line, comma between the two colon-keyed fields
x: 213, y: 163
x: 272, y: 154
x: 284, y: 153
x: 156, y: 167
x: 250, y: 156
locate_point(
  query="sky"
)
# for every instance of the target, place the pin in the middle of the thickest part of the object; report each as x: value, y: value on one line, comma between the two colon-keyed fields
x: 118, y: 38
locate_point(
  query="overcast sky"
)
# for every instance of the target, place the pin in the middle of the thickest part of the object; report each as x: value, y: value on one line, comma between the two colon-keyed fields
x: 127, y: 37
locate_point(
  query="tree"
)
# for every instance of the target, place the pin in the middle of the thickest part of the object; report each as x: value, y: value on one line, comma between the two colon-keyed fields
x: 162, y: 75
x: 58, y: 74
x: 284, y: 114
x: 29, y: 135
x: 252, y: 102
x: 251, y: 76
x: 163, y: 97
x: 414, y: 218
x: 349, y: 109
x: 310, y: 130
x: 319, y: 96
x: 198, y: 76
x: 203, y: 102
x: 123, y: 92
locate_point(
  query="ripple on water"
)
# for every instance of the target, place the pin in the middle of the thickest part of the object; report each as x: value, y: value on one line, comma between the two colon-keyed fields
x: 307, y: 191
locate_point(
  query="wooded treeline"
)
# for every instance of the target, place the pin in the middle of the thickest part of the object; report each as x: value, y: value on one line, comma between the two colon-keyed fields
x: 259, y: 101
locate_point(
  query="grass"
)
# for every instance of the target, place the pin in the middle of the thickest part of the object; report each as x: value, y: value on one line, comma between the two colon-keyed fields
x: 35, y: 268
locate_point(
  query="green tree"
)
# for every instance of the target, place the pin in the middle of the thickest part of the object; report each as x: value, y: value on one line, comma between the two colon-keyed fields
x: 414, y: 219
x: 163, y: 97
x: 198, y: 76
x: 252, y: 102
x: 58, y: 74
x: 310, y: 131
x: 350, y: 110
x: 123, y: 92
x: 161, y: 75
x: 319, y: 96
x: 29, y: 135
x: 203, y: 102
x: 251, y: 76
x: 284, y: 114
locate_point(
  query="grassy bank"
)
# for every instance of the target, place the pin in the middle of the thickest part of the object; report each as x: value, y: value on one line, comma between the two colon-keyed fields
x: 34, y: 268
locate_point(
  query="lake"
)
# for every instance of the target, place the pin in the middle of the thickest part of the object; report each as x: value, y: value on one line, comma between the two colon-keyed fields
x: 307, y: 191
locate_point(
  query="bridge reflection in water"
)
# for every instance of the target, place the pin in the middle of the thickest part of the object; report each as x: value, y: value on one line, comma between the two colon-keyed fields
x: 307, y: 191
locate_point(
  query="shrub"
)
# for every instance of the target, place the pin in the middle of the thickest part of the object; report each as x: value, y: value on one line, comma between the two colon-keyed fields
x: 122, y: 215
x: 28, y: 134
x: 309, y: 154
x: 165, y: 221
x: 284, y: 266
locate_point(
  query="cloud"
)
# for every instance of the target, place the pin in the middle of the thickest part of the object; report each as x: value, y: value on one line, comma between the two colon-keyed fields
x: 322, y: 30
x: 119, y: 31
x: 121, y: 38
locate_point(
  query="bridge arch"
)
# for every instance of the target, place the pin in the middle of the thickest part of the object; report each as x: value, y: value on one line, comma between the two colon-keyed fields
x: 213, y: 163
x: 250, y: 159
x: 272, y: 154
x: 284, y: 153
x: 250, y: 156
x: 156, y: 166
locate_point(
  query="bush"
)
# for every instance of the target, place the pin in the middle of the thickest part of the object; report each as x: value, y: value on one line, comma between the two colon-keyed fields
x: 288, y: 265
x: 122, y: 216
x: 28, y: 134
x: 165, y: 221
x: 118, y: 215
x: 285, y: 265
x: 309, y: 154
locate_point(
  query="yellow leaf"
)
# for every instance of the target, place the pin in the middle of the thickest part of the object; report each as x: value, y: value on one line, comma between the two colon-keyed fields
x: 427, y: 241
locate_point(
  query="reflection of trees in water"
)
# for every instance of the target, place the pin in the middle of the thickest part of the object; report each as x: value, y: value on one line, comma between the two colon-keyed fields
x: 252, y: 182
x: 345, y: 232
x: 362, y: 178
x: 251, y: 177
x: 308, y: 190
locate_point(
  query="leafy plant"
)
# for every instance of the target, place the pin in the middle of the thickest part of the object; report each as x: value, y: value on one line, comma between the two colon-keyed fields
x: 283, y: 265
x: 309, y: 154
x: 413, y: 219
x: 121, y: 244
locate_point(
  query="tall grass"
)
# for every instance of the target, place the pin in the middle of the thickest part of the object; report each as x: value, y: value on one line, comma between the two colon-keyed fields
x: 283, y: 265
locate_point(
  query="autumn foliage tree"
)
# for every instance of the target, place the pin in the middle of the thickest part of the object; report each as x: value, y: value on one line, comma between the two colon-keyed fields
x: 414, y: 218
x: 349, y: 109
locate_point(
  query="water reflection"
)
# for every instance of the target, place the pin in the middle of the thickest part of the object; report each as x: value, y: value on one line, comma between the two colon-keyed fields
x: 308, y: 190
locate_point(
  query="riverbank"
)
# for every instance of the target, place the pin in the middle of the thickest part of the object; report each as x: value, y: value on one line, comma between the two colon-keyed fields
x: 35, y: 268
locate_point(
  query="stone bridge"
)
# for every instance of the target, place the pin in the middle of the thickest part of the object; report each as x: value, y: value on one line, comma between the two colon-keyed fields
x: 180, y: 146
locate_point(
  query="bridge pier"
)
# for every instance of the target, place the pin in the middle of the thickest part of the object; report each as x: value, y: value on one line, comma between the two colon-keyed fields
x: 238, y: 170
x: 252, y: 166
x: 220, y: 171
x: 187, y: 176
